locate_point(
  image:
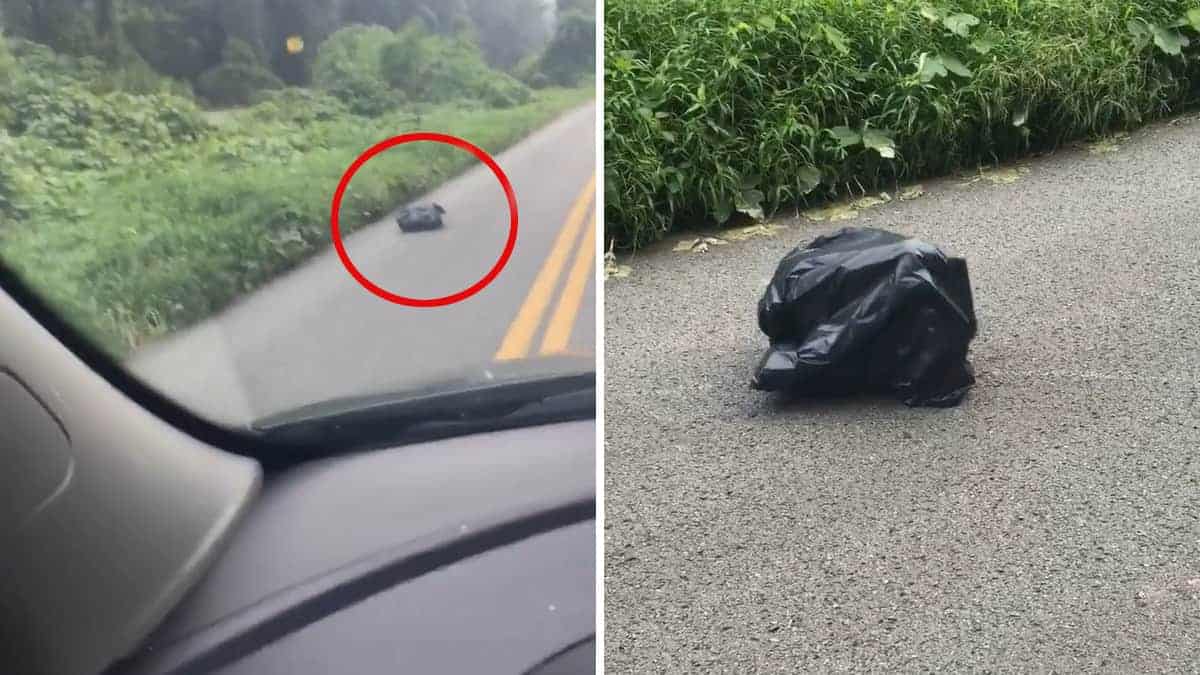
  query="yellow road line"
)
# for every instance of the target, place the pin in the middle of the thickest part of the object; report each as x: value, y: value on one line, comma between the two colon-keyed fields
x: 558, y: 333
x: 520, y: 334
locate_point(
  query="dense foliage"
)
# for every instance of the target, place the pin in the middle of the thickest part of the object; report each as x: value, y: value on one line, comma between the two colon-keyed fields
x: 190, y: 40
x: 238, y: 78
x: 431, y: 67
x: 717, y: 106
x: 571, y: 54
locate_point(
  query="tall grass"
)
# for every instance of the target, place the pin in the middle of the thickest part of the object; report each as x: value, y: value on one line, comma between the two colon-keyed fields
x: 716, y: 106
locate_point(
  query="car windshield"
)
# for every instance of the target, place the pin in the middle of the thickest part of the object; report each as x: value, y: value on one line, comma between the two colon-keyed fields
x: 260, y: 205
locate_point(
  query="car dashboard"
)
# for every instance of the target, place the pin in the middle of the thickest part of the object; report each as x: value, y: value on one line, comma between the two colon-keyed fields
x: 469, y: 554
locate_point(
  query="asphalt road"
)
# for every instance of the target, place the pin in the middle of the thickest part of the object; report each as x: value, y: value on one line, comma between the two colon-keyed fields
x: 1049, y: 524
x: 316, y: 334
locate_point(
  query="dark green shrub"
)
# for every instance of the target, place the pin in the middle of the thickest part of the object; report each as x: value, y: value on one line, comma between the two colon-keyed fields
x: 169, y: 42
x: 238, y: 78
x: 437, y: 68
x: 529, y: 72
x: 352, y: 51
x: 297, y: 105
x: 404, y: 62
x: 503, y: 91
x: 366, y: 96
x: 33, y: 58
x: 715, y: 107
x: 348, y: 67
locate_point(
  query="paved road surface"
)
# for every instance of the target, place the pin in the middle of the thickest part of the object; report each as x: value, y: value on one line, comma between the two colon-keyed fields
x: 315, y: 334
x: 1049, y: 524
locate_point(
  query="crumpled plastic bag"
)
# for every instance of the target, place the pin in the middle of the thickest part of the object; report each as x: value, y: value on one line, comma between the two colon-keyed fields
x: 863, y: 310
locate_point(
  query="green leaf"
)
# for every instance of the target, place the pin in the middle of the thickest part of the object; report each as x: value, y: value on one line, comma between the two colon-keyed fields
x: 767, y: 22
x: 647, y: 113
x: 960, y: 24
x: 750, y: 203
x: 1193, y: 17
x: 675, y: 184
x: 880, y: 142
x: 930, y: 66
x: 846, y: 137
x: 668, y: 136
x: 1021, y: 116
x: 836, y: 38
x: 955, y: 66
x: 1169, y: 41
x: 982, y: 45
x: 723, y: 211
x: 931, y: 13
x: 1140, y: 32
x: 808, y: 178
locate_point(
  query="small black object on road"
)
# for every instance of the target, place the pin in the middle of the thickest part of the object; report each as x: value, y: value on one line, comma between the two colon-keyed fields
x: 864, y: 310
x: 416, y: 218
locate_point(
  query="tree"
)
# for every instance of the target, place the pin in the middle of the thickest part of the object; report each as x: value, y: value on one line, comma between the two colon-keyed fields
x: 106, y: 18
x: 311, y: 20
x: 238, y: 78
x: 509, y: 30
x: 572, y: 52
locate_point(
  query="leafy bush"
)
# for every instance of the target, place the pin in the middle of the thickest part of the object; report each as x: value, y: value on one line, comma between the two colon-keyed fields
x: 297, y: 105
x: 436, y: 68
x: 9, y: 188
x: 716, y: 106
x: 367, y: 96
x: 238, y: 78
x: 33, y: 58
x: 53, y: 115
x: 348, y: 67
x: 167, y: 41
x: 529, y: 72
x: 352, y: 51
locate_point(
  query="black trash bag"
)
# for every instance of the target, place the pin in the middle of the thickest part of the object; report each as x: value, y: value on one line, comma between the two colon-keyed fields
x: 417, y: 218
x: 868, y: 311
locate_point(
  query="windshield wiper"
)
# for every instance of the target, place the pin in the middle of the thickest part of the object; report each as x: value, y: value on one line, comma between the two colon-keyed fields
x: 346, y: 425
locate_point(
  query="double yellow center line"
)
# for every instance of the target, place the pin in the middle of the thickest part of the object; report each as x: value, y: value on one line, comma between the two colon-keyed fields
x: 520, y: 337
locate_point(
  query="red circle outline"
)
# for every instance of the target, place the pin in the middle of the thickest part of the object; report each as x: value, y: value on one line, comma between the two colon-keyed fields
x: 437, y: 138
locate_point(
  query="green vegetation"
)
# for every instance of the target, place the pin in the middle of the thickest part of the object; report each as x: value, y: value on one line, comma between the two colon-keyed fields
x: 138, y: 209
x: 432, y: 67
x: 718, y: 106
x: 189, y: 40
x: 238, y: 77
x: 571, y: 54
